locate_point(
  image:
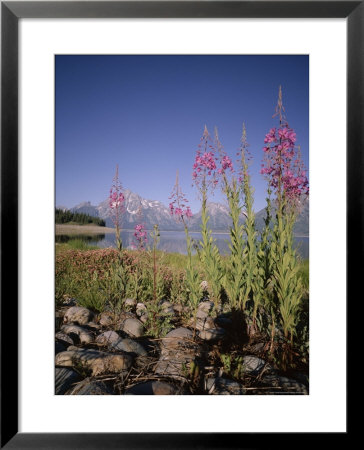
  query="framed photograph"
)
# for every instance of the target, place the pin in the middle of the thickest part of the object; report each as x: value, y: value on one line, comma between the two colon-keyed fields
x: 175, y: 177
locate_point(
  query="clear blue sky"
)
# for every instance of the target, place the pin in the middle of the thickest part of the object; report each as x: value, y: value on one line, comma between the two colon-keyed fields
x: 147, y: 113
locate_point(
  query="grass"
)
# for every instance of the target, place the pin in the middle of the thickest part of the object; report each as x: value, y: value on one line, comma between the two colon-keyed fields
x: 75, y: 244
x: 304, y: 272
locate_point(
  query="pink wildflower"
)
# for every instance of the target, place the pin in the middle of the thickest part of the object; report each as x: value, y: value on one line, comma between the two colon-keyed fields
x: 178, y: 206
x: 282, y: 163
x: 140, y: 235
x: 204, y: 167
x: 116, y: 200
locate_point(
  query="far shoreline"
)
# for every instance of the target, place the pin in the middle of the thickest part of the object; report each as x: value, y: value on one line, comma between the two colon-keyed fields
x: 96, y: 229
x: 65, y: 228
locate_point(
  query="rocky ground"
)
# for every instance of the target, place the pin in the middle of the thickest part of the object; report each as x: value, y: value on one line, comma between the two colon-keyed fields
x: 110, y: 354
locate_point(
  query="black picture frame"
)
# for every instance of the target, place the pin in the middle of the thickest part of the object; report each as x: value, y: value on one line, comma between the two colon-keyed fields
x: 11, y: 12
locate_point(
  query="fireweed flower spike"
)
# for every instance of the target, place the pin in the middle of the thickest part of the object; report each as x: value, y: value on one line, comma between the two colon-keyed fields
x: 224, y: 162
x: 116, y: 206
x: 140, y: 232
x: 204, y: 167
x: 178, y: 204
x: 282, y: 164
x: 140, y: 235
x: 205, y: 178
x: 286, y: 176
x: 181, y: 212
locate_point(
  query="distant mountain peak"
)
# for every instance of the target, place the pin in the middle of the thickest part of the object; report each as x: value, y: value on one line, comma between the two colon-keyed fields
x: 151, y: 212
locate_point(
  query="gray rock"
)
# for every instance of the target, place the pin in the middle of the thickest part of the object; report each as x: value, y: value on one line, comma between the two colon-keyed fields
x: 253, y: 365
x: 168, y: 311
x: 84, y: 335
x: 179, y: 353
x: 69, y: 301
x: 88, y: 387
x: 94, y: 360
x: 130, y: 302
x: 178, y: 308
x: 224, y: 386
x: 64, y: 338
x: 78, y: 314
x: 106, y: 319
x: 108, y: 337
x: 153, y: 388
x: 72, y: 347
x: 129, y: 346
x: 177, y: 338
x: 204, y: 309
x: 64, y: 379
x: 143, y: 318
x: 141, y: 309
x: 167, y: 308
x: 175, y: 364
x: 94, y: 326
x: 206, y: 323
x: 133, y: 327
x: 213, y: 335
x: 257, y: 347
x: 283, y: 385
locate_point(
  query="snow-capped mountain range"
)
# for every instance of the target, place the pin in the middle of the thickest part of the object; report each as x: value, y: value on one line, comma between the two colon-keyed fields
x: 151, y: 212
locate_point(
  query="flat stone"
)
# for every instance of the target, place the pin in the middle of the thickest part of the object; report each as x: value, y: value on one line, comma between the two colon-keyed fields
x: 129, y: 346
x: 284, y: 385
x: 133, y: 327
x: 106, y: 319
x: 206, y: 323
x: 257, y: 347
x: 205, y: 307
x: 177, y: 338
x: 253, y: 365
x: 78, y: 314
x: 84, y: 335
x: 152, y: 388
x: 178, y: 353
x: 64, y: 338
x: 173, y: 364
x: 224, y: 386
x: 94, y: 387
x: 64, y: 379
x: 107, y: 337
x: 212, y: 335
x: 94, y: 360
x: 94, y: 326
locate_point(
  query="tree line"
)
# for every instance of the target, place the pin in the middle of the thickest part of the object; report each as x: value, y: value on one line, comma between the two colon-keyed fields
x: 80, y: 218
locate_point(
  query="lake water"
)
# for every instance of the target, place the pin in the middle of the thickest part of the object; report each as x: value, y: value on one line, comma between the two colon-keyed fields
x: 171, y: 241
